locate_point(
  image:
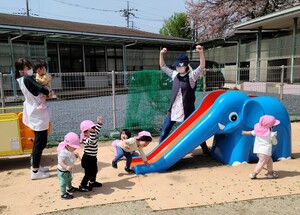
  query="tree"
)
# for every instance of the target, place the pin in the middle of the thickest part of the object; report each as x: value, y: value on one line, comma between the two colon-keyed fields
x: 216, y: 18
x: 177, y: 26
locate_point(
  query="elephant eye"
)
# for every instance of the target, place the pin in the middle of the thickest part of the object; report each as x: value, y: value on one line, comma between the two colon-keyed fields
x: 233, y: 116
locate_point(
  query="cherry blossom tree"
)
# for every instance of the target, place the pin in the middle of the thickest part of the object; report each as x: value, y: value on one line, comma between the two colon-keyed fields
x: 216, y: 18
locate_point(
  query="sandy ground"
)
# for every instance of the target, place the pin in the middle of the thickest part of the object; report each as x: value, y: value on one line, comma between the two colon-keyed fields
x: 196, y: 184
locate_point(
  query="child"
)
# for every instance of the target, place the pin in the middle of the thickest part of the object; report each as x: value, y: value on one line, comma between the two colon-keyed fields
x: 43, y: 78
x: 88, y: 137
x: 126, y: 147
x: 66, y: 160
x: 124, y: 135
x: 183, y: 91
x: 264, y: 138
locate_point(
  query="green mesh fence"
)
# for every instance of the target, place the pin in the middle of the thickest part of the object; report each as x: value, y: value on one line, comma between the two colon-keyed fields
x: 148, y: 100
x: 149, y: 93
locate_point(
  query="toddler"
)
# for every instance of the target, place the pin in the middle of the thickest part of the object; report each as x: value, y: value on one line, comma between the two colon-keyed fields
x: 43, y: 78
x: 66, y: 160
x: 88, y: 137
x: 124, y: 135
x: 126, y: 147
x: 264, y: 138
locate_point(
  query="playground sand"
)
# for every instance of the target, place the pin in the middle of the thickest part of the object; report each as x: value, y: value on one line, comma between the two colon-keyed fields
x: 196, y: 180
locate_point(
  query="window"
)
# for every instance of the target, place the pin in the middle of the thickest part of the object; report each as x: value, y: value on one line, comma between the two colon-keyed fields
x: 94, y: 58
x: 52, y: 58
x: 114, y: 59
x: 71, y: 58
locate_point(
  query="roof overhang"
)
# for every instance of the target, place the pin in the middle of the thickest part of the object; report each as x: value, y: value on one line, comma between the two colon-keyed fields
x: 56, y: 35
x: 283, y: 19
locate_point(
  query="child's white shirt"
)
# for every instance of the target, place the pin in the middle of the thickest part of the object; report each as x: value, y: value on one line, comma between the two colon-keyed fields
x: 67, y: 157
x: 263, y: 145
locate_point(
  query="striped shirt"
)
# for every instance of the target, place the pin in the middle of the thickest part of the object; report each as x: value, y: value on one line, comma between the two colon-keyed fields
x: 90, y: 143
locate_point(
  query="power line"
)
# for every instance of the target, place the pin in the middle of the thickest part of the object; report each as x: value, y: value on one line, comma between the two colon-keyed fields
x: 85, y: 7
x: 154, y: 20
x: 127, y: 13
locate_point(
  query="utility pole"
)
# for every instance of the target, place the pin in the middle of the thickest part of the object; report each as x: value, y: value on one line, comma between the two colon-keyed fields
x: 27, y: 8
x: 127, y: 13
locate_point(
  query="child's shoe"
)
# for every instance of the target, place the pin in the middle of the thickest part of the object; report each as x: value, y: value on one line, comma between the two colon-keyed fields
x: 114, y: 164
x: 95, y: 184
x: 129, y: 170
x: 41, y: 107
x: 273, y: 175
x: 252, y: 176
x: 67, y: 196
x: 72, y: 190
x: 85, y: 188
x: 39, y: 175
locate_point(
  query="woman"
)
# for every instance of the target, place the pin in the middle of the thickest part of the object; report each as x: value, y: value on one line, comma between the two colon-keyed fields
x: 36, y: 119
x: 183, y: 91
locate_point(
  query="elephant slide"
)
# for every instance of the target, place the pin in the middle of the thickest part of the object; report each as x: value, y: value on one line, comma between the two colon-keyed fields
x: 222, y: 114
x: 165, y: 155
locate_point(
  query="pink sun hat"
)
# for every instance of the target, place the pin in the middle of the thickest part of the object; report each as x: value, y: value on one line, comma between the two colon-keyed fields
x: 262, y: 128
x: 143, y: 133
x: 85, y: 125
x: 71, y: 139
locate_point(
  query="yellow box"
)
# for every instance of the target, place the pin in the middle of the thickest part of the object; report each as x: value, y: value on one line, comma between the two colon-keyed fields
x: 10, y: 138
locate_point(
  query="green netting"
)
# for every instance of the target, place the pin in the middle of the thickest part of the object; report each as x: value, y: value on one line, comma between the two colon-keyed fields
x: 148, y: 100
x: 149, y: 93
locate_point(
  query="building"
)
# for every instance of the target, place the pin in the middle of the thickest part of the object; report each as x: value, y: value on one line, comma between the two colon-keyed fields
x: 71, y: 47
x: 258, y: 48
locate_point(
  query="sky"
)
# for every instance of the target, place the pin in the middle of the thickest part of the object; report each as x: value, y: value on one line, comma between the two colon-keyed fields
x: 146, y: 15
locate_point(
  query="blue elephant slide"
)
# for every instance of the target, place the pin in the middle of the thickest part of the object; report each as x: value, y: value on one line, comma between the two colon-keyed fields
x: 222, y: 114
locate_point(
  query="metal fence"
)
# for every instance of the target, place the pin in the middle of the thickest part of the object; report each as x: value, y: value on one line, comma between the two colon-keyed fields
x: 80, y: 96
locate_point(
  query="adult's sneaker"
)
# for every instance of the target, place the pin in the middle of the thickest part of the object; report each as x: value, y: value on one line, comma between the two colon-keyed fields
x: 39, y: 175
x: 44, y: 169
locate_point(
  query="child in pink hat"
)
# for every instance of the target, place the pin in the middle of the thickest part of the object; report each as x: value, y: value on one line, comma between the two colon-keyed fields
x: 264, y: 139
x: 126, y: 147
x: 88, y: 136
x: 66, y: 159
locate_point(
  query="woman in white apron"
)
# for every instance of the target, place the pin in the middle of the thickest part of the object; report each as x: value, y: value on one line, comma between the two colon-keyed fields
x: 36, y: 119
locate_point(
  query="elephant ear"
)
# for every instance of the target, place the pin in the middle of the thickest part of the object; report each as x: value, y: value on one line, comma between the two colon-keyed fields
x: 251, y: 112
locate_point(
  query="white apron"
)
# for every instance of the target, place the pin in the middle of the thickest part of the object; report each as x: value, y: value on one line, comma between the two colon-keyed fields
x: 36, y: 119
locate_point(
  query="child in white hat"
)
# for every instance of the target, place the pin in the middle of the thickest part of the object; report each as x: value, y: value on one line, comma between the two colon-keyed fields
x: 66, y: 160
x: 126, y: 147
x: 264, y: 139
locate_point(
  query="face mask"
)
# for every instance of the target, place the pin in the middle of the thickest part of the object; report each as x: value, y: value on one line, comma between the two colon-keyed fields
x: 29, y: 72
x: 181, y: 69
